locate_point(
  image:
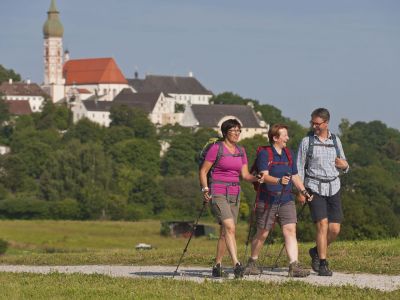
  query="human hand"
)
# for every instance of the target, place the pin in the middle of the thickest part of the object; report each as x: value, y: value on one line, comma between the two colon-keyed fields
x: 341, y: 163
x: 260, y: 177
x: 285, y: 180
x: 206, y: 196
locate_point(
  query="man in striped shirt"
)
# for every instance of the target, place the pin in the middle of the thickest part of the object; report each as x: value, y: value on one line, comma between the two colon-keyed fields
x: 320, y: 160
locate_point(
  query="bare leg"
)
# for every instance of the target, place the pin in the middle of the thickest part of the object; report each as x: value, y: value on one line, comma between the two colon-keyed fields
x: 289, y: 233
x: 230, y: 240
x: 333, y: 232
x: 258, y: 242
x: 221, y: 246
x: 322, y: 238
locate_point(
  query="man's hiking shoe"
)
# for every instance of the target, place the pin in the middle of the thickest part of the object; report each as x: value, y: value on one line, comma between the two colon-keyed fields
x: 295, y: 270
x: 238, y: 270
x: 314, y: 259
x: 324, y: 270
x: 252, y: 268
x: 218, y: 272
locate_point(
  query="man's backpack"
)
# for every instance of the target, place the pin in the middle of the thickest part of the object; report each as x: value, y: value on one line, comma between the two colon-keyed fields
x: 271, y: 161
x: 204, y: 151
x: 311, y: 144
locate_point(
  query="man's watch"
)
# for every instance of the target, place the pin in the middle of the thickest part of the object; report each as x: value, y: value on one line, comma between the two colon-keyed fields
x: 205, y: 189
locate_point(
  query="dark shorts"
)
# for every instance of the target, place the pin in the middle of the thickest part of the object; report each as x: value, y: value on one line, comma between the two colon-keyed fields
x: 329, y: 207
x: 225, y: 207
x: 286, y: 215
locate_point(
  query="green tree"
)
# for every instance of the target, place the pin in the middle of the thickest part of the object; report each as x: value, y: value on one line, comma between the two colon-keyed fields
x: 6, y: 74
x: 132, y: 117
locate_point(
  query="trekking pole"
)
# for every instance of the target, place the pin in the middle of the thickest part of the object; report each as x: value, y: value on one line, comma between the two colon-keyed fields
x: 251, y: 218
x: 275, y: 265
x: 190, y: 237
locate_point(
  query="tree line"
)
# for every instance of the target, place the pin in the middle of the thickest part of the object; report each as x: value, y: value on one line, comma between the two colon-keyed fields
x: 60, y: 170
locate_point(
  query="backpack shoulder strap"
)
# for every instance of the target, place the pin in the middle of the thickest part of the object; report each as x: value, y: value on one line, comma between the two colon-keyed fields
x: 270, y: 155
x: 219, y: 153
x: 289, y: 156
x: 334, y: 139
x: 310, y: 149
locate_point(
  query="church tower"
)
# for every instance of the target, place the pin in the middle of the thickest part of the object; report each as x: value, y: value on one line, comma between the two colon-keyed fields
x: 53, y: 54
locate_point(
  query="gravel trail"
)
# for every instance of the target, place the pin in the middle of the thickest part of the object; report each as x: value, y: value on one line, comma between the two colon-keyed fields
x: 199, y: 274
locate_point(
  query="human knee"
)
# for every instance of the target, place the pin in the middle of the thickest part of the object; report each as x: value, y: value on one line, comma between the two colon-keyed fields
x: 289, y: 230
x: 334, y: 230
x: 262, y: 234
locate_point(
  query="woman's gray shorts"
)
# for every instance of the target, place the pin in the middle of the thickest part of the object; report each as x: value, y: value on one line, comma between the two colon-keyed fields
x: 225, y: 207
x: 286, y: 214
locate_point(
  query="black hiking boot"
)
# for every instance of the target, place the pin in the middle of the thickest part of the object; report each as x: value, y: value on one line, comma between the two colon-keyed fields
x: 324, y: 270
x: 218, y: 272
x: 252, y: 267
x: 238, y: 270
x: 314, y: 259
x: 296, y: 270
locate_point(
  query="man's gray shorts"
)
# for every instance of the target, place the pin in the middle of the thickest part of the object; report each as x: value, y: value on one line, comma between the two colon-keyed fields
x: 225, y: 207
x: 286, y: 214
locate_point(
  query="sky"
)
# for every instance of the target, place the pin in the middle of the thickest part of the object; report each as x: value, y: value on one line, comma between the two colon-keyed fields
x: 296, y: 55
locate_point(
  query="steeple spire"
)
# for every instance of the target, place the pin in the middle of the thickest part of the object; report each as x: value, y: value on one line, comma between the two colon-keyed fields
x: 53, y: 27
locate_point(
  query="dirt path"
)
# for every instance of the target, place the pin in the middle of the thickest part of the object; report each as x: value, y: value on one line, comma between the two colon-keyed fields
x: 199, y: 274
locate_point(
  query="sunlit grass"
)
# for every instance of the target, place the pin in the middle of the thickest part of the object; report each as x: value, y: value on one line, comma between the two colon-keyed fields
x: 97, y: 242
x: 78, y: 286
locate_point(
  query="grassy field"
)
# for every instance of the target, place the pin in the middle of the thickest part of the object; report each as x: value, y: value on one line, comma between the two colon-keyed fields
x: 74, y: 243
x: 62, y: 286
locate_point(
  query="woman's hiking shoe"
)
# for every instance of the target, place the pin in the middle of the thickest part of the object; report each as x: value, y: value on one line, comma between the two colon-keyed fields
x: 314, y: 259
x: 218, y: 272
x: 238, y: 270
x: 296, y: 270
x: 324, y: 270
x: 252, y: 268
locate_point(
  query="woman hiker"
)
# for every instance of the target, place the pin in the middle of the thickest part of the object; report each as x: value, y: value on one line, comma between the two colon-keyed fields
x: 275, y: 201
x: 226, y: 161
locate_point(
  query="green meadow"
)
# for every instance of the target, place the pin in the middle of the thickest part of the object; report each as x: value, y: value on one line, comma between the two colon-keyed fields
x: 104, y: 242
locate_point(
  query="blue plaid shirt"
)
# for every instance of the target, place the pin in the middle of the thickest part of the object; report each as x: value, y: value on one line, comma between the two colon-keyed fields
x: 321, y: 165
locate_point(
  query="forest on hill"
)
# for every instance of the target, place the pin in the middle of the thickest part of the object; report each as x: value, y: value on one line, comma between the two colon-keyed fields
x: 60, y: 170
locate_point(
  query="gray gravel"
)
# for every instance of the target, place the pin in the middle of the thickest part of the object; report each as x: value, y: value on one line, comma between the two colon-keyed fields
x: 199, y: 274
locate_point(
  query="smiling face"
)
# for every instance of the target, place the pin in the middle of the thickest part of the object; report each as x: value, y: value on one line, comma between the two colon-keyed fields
x: 233, y: 134
x: 319, y: 125
x: 281, y: 140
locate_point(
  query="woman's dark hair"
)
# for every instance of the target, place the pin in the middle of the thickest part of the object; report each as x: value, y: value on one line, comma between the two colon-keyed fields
x: 228, y: 124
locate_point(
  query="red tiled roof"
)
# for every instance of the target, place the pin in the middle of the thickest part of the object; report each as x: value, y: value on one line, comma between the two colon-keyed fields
x: 19, y: 107
x: 92, y: 71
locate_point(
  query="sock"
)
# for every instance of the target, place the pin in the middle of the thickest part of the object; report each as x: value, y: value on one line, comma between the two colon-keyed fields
x: 316, y: 249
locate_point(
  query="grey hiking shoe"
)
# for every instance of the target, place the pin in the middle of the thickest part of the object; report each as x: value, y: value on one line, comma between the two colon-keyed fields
x: 324, y: 270
x: 252, y: 268
x: 238, y: 270
x: 296, y: 270
x: 314, y: 259
x: 218, y: 272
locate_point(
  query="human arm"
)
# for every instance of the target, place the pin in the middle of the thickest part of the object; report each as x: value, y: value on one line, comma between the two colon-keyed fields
x: 341, y: 162
x: 303, y: 194
x: 203, y: 179
x: 301, y: 158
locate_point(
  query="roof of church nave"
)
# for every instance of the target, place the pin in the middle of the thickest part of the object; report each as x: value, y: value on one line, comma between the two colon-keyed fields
x: 93, y: 71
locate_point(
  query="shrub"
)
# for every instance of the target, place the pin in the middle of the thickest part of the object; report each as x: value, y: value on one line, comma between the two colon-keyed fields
x: 3, y: 246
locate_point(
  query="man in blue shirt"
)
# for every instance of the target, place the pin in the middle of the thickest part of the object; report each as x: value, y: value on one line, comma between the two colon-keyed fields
x: 319, y: 160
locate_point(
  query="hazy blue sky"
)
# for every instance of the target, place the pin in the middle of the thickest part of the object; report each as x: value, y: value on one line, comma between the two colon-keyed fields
x: 296, y: 55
